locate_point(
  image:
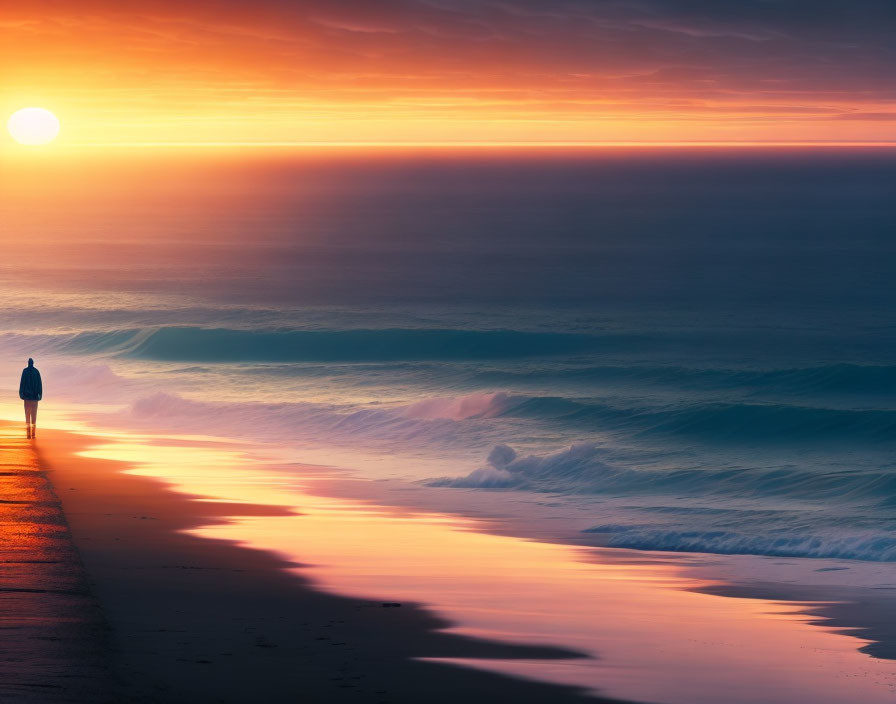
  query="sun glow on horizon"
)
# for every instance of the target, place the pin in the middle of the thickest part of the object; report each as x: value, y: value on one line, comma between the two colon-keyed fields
x: 33, y: 126
x: 215, y: 73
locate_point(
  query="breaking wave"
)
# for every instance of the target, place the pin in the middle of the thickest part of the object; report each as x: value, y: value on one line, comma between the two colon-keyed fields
x: 586, y: 468
x: 840, y: 543
x: 844, y: 515
x: 716, y: 422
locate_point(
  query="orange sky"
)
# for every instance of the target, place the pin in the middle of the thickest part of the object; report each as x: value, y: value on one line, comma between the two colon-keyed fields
x: 452, y: 70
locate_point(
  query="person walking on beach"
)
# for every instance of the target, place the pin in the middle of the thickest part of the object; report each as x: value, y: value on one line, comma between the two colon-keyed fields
x: 31, y: 391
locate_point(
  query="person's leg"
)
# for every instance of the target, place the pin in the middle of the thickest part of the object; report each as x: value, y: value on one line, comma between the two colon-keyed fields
x: 34, y: 413
x: 29, y: 418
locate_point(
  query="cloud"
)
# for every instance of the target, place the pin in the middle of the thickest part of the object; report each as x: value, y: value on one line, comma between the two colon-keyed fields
x: 869, y: 116
x: 516, y: 59
x: 736, y: 41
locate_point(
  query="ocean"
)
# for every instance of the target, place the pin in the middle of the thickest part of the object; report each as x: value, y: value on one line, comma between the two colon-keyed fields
x: 690, y: 349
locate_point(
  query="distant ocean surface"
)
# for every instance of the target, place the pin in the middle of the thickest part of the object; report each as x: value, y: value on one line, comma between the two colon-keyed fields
x: 698, y: 346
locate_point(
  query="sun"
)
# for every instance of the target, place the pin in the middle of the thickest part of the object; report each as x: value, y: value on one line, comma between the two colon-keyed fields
x: 33, y: 126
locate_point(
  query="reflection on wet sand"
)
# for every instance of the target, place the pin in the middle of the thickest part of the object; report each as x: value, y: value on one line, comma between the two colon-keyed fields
x: 193, y: 619
x: 654, y: 633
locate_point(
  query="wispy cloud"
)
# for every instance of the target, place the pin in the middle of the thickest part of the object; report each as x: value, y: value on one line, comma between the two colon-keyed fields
x: 477, y: 60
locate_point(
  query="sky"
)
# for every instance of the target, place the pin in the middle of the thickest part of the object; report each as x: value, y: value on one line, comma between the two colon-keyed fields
x: 346, y: 71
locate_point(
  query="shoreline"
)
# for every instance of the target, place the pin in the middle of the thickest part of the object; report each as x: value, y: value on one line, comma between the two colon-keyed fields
x: 200, y: 620
x: 855, y: 597
x: 211, y: 598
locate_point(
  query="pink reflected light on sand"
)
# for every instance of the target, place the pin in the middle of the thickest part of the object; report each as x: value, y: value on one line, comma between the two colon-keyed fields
x: 650, y: 637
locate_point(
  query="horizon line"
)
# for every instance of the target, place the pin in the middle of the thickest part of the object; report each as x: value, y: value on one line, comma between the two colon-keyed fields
x: 475, y: 143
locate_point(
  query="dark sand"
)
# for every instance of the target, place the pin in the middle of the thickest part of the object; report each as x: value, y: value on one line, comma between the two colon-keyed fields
x: 52, y: 645
x: 198, y: 620
x: 865, y: 612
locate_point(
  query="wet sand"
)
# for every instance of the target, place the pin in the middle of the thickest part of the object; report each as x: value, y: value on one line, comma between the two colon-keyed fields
x: 264, y: 594
x: 198, y: 620
x: 867, y: 611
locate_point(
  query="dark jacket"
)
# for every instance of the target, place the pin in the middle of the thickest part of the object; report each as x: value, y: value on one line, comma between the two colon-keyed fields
x: 30, y: 387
